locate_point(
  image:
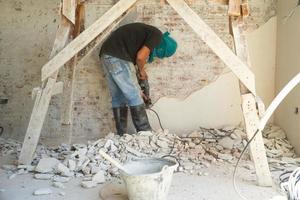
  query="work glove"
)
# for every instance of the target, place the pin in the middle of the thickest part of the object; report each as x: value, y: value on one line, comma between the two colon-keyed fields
x: 144, y: 84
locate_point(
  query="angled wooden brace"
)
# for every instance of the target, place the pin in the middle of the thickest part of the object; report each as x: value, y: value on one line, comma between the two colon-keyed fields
x: 238, y: 67
x: 43, y: 97
x: 86, y: 37
x: 250, y: 108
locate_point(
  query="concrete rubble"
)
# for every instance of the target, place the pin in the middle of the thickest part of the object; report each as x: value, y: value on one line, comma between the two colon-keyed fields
x: 194, y: 152
x: 42, y: 191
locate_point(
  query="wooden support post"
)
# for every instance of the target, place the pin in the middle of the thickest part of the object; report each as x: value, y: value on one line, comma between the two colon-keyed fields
x: 234, y: 8
x: 99, y: 39
x: 245, y: 8
x: 250, y: 111
x: 69, y: 79
x: 43, y: 98
x: 86, y: 37
x: 223, y: 2
x: 239, y: 68
x: 68, y: 10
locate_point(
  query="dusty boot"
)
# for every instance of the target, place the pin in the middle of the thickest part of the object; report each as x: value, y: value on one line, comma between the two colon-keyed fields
x: 140, y: 118
x: 120, y: 115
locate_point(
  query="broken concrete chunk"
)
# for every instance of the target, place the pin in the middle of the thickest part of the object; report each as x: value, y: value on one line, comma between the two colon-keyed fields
x: 43, y: 191
x: 43, y: 176
x: 72, y: 165
x: 61, y: 179
x: 46, y: 165
x: 62, y: 193
x: 12, y: 176
x: 58, y: 185
x: 63, y: 170
x: 226, y: 157
x: 226, y: 142
x: 145, y: 133
x: 99, y: 177
x: 88, y: 184
x: 162, y: 144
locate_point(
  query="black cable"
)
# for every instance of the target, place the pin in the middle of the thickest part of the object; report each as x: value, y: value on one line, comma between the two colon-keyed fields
x: 1, y: 130
x: 239, y: 159
x: 157, y: 118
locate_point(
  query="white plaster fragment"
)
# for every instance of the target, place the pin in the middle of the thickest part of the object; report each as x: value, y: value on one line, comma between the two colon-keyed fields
x: 42, y: 191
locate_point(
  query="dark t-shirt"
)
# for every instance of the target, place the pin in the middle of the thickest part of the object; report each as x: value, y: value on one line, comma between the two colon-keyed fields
x: 126, y: 41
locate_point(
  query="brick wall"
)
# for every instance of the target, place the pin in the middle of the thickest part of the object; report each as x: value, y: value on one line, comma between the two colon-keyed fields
x: 193, y: 67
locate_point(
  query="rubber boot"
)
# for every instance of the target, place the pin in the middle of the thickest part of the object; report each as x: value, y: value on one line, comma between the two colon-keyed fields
x: 140, y: 118
x: 120, y: 115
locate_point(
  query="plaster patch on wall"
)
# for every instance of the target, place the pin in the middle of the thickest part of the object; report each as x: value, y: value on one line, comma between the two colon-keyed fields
x: 209, y: 107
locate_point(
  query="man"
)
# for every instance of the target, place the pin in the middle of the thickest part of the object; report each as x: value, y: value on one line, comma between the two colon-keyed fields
x: 129, y: 45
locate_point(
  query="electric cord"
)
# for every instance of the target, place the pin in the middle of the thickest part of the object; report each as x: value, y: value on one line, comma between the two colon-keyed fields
x: 237, y: 163
x: 158, y: 118
x: 263, y: 121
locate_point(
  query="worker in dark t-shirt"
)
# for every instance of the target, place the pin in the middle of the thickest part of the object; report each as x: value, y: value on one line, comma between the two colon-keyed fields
x: 129, y: 46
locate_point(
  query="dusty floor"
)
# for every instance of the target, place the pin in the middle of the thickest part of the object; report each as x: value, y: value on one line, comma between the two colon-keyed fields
x: 216, y: 185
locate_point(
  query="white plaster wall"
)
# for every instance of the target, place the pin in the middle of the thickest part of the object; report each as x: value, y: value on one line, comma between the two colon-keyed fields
x: 262, y: 50
x: 288, y: 65
x: 218, y: 104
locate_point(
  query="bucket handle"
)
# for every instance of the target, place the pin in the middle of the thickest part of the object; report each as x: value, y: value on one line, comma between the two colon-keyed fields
x: 176, y: 159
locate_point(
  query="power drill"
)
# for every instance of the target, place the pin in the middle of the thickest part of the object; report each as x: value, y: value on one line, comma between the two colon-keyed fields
x: 144, y: 84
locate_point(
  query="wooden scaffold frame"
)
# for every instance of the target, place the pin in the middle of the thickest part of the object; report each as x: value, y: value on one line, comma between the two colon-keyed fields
x: 65, y: 53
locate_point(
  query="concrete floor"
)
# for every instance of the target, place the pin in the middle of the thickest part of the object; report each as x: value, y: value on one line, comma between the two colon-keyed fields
x: 217, y: 185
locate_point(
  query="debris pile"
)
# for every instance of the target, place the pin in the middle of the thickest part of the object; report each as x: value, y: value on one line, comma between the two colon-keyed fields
x: 193, y: 152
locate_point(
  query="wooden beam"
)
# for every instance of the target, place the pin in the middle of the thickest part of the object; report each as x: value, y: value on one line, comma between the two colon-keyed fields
x: 234, y: 8
x: 43, y: 98
x: 250, y: 110
x: 58, y: 88
x: 239, y: 68
x: 68, y: 11
x: 223, y: 2
x: 36, y: 122
x: 100, y: 38
x: 86, y: 37
x: 69, y: 73
x: 245, y: 8
x: 257, y: 148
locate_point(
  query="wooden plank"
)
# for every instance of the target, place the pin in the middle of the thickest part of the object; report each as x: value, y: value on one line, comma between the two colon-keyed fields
x: 239, y: 68
x: 223, y: 2
x: 43, y: 98
x: 257, y: 148
x: 68, y: 10
x: 100, y: 38
x: 234, y: 8
x: 58, y: 88
x: 86, y: 37
x: 245, y: 9
x: 250, y: 112
x: 36, y: 122
x: 69, y: 74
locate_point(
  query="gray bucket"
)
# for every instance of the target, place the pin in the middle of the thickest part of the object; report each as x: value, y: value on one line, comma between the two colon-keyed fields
x: 149, y: 179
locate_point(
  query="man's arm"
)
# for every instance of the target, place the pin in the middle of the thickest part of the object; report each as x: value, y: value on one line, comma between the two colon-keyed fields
x: 141, y: 60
